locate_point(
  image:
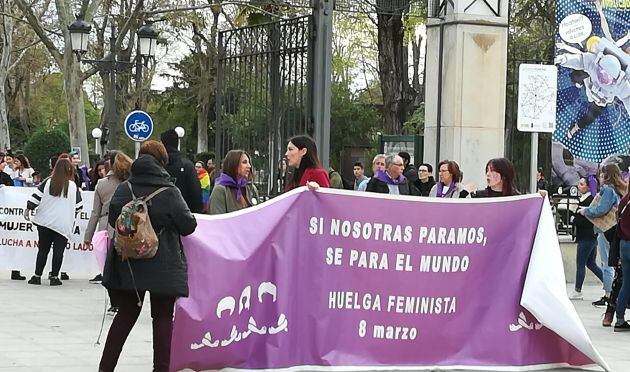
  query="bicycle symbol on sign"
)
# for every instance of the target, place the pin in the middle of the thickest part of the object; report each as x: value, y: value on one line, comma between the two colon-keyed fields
x: 138, y: 126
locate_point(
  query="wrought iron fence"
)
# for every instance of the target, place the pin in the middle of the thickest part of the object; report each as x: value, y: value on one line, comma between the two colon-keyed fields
x: 394, y: 7
x: 263, y: 93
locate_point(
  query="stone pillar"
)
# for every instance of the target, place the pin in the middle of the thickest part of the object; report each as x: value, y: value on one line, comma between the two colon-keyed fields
x: 471, y: 112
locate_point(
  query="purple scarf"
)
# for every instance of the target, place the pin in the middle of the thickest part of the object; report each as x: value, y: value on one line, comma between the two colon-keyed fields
x: 440, y: 187
x: 592, y: 185
x: 226, y: 180
x: 384, y: 176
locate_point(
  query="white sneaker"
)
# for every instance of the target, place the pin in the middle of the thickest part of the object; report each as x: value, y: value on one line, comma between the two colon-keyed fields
x: 575, y: 295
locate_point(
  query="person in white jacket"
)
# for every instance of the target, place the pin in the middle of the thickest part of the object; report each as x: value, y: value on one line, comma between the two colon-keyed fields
x: 57, y: 200
x: 22, y: 171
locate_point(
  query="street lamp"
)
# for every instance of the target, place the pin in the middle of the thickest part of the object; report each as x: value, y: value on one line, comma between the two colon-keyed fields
x: 180, y: 134
x: 147, y: 39
x: 96, y: 134
x: 147, y: 46
x: 79, y: 35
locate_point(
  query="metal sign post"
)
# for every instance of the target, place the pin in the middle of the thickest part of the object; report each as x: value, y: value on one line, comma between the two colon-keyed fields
x: 537, y: 92
x: 138, y: 127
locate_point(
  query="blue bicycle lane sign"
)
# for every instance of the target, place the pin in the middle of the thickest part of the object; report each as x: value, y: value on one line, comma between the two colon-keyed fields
x: 138, y: 126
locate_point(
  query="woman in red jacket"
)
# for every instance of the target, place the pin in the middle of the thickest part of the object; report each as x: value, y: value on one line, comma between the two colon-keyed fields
x: 302, y: 156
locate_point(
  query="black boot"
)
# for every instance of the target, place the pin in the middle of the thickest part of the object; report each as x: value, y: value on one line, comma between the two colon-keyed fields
x: 63, y: 275
x: 37, y: 280
x: 15, y: 275
x: 55, y: 281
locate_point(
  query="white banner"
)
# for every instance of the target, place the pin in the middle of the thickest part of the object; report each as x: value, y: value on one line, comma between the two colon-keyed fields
x: 19, y: 239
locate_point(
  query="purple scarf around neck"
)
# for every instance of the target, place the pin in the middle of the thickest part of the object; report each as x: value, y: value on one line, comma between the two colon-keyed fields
x: 384, y: 176
x: 440, y: 187
x: 226, y: 180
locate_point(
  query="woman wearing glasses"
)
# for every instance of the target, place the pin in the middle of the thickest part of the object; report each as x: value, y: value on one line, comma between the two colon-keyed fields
x: 449, y: 185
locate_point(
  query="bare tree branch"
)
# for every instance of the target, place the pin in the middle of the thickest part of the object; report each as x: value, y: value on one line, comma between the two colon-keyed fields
x: 19, y: 58
x: 123, y: 31
x: 37, y: 27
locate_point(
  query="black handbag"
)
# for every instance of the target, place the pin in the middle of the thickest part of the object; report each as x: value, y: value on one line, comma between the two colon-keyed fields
x: 611, y: 233
x: 613, y: 254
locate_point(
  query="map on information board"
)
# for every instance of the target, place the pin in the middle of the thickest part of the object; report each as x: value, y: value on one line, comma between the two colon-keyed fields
x: 537, y: 90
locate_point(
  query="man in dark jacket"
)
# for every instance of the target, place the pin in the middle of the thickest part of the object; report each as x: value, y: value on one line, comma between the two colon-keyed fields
x: 409, y: 170
x: 391, y: 181
x: 183, y: 173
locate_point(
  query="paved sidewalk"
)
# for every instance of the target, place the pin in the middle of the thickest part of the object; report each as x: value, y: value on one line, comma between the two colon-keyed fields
x: 56, y: 328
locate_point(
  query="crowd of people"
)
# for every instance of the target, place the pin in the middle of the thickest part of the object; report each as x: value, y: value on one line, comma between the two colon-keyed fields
x: 197, y: 188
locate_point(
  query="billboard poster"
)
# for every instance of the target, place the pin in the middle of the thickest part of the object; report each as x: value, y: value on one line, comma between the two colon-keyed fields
x: 593, y: 114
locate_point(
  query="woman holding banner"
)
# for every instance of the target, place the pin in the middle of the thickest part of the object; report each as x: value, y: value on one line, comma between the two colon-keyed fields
x: 302, y: 156
x: 501, y: 178
x: 57, y: 200
x: 232, y: 190
x: 449, y: 185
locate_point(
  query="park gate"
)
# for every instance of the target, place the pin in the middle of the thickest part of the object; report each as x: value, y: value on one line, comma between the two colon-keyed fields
x: 263, y: 93
x: 274, y: 81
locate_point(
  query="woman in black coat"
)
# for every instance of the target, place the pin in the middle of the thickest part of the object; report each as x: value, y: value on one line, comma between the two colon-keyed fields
x: 586, y: 240
x: 164, y: 275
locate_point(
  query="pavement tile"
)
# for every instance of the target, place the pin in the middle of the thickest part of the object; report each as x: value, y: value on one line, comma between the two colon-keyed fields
x: 44, y: 327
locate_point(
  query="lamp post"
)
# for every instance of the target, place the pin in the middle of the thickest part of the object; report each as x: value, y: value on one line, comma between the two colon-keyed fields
x: 96, y: 134
x: 180, y: 134
x: 147, y: 46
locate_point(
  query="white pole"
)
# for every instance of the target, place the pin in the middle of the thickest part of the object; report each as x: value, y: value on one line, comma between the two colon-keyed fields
x: 96, y: 149
x: 137, y: 149
x: 533, y: 167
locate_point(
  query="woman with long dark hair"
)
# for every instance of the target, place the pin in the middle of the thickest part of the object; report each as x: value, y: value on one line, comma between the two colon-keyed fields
x: 57, y: 200
x: 586, y: 240
x: 501, y: 178
x: 97, y: 173
x: 232, y: 189
x: 302, y: 157
x: 22, y: 171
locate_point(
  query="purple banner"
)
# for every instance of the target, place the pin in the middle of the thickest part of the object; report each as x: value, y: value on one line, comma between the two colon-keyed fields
x: 342, y: 279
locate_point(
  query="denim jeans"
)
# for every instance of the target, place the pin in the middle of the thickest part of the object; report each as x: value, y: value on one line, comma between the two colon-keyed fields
x: 624, y: 293
x: 603, y: 246
x: 586, y: 258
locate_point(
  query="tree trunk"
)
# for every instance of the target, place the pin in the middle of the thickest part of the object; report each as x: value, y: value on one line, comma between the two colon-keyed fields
x: 5, y: 59
x: 417, y: 87
x: 76, y: 110
x: 23, y: 98
x: 203, y: 102
x: 207, y: 62
x: 393, y: 74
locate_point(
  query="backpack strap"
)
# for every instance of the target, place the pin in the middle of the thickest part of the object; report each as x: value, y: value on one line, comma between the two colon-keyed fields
x: 624, y: 209
x: 154, y: 193
x: 133, y: 196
